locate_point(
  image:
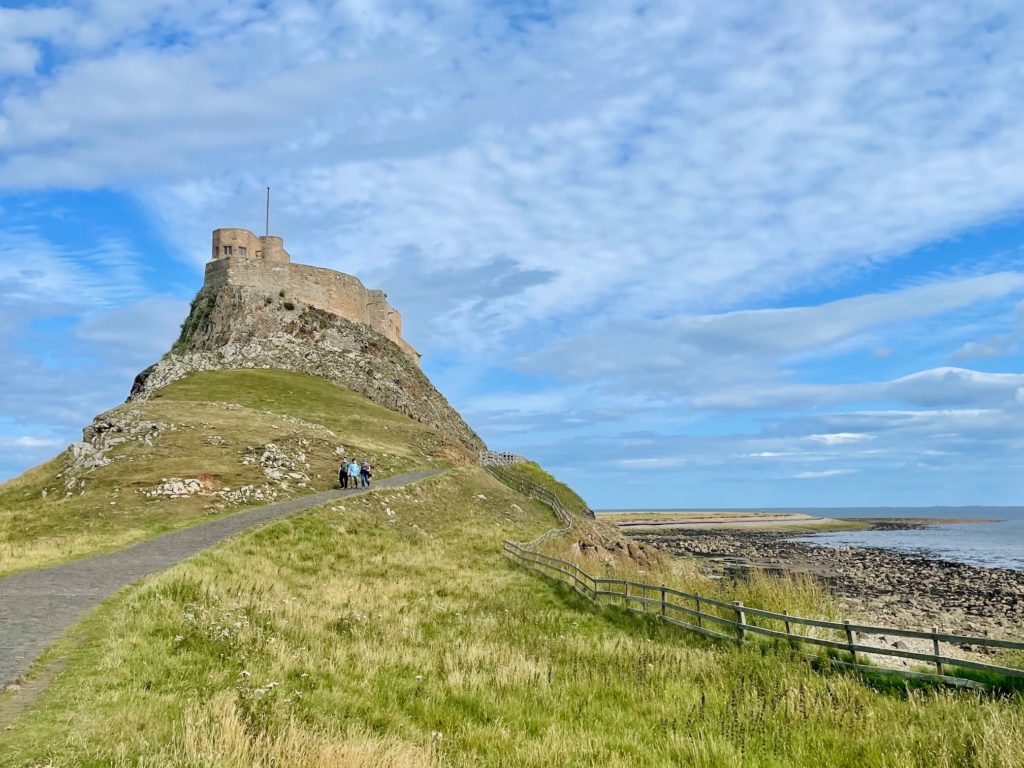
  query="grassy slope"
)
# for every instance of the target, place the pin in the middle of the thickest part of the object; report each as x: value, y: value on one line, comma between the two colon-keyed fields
x: 219, y: 416
x: 352, y: 635
x: 534, y: 473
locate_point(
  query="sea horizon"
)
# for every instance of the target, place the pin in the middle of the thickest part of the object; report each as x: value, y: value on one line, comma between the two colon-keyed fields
x: 804, y: 510
x: 998, y: 543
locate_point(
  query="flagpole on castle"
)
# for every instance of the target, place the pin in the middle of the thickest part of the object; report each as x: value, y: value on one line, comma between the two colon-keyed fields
x: 267, y: 227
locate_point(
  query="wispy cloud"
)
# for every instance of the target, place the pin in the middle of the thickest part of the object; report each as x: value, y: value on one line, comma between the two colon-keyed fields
x: 603, y: 224
x: 29, y: 441
x: 936, y: 387
x: 841, y: 438
x: 823, y: 473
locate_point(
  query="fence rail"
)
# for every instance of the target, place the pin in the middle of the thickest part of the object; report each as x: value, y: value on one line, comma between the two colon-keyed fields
x: 735, y: 622
x: 500, y: 458
x: 541, y: 494
x: 538, y: 492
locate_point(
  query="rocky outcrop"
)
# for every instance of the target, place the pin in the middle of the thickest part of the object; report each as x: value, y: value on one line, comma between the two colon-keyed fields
x: 878, y: 585
x: 235, y: 327
x: 107, y: 430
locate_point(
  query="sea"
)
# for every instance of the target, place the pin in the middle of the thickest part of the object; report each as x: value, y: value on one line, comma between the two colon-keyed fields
x: 997, y: 544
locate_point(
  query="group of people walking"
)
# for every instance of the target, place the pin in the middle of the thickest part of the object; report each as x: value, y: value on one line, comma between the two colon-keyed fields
x: 352, y: 474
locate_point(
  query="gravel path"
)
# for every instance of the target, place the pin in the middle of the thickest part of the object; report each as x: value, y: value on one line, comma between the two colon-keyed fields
x: 37, y: 607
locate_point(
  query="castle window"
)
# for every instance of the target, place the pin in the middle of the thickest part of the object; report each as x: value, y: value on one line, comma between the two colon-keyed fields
x: 227, y: 250
x: 241, y: 250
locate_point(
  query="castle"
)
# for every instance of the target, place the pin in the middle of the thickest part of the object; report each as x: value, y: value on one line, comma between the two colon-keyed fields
x: 240, y: 258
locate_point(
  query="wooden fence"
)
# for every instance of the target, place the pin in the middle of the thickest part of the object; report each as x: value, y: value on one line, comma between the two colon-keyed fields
x: 538, y: 492
x: 735, y: 622
x: 541, y: 494
x: 499, y: 458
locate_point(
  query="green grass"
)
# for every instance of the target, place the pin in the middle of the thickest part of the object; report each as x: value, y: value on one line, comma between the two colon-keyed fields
x: 354, y: 636
x: 388, y: 630
x: 531, y: 471
x: 218, y: 417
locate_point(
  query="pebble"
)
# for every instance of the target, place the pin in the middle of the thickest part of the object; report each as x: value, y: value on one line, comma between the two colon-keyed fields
x: 879, y: 586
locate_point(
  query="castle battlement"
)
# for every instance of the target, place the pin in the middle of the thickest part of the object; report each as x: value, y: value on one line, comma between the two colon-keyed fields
x: 261, y: 263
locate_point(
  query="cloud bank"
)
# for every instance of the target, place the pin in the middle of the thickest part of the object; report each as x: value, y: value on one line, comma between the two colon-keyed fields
x: 707, y: 245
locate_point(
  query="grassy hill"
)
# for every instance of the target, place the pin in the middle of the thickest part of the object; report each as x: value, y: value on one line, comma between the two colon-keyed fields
x: 212, y: 427
x: 388, y: 629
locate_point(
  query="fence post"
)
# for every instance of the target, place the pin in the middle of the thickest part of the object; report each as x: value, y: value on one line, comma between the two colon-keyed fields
x: 789, y: 631
x: 849, y: 641
x: 741, y: 619
x: 700, y: 622
x: 625, y: 594
x: 663, y: 601
x: 935, y: 646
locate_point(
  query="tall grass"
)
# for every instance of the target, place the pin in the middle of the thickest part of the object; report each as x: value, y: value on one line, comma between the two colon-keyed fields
x: 389, y: 629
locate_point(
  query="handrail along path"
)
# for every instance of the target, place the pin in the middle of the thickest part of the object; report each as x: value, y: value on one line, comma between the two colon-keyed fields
x: 739, y: 622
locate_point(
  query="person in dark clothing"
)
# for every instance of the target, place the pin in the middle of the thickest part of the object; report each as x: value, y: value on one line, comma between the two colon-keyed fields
x: 343, y: 473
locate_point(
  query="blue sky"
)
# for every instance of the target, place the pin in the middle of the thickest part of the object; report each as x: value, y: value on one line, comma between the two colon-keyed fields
x: 756, y: 254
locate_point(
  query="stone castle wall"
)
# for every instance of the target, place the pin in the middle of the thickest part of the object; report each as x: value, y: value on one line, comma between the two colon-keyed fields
x: 261, y: 263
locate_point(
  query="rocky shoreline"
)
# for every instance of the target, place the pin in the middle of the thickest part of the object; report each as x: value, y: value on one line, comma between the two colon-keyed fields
x: 876, y: 586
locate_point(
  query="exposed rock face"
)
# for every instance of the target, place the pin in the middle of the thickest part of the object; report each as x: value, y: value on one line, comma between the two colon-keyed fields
x: 236, y: 327
x: 106, y: 431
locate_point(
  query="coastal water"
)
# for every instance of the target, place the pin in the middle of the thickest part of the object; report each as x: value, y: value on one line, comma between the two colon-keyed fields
x: 997, y: 544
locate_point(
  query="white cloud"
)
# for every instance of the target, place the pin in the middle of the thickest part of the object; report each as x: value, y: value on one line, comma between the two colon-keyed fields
x: 647, y: 188
x: 841, y: 438
x: 610, y: 198
x: 652, y: 463
x: 823, y: 473
x: 133, y: 335
x: 18, y: 58
x: 705, y: 355
x: 29, y: 441
x: 74, y: 331
x: 936, y: 387
x: 35, y: 271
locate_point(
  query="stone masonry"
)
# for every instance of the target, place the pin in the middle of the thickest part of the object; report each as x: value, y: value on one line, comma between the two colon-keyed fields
x: 242, y: 259
x: 258, y: 310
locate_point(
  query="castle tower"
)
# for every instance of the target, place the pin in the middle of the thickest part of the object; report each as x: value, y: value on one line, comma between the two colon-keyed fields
x: 261, y: 264
x: 233, y: 242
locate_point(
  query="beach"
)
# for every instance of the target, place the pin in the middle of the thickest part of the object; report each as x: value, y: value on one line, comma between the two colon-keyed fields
x: 874, y: 585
